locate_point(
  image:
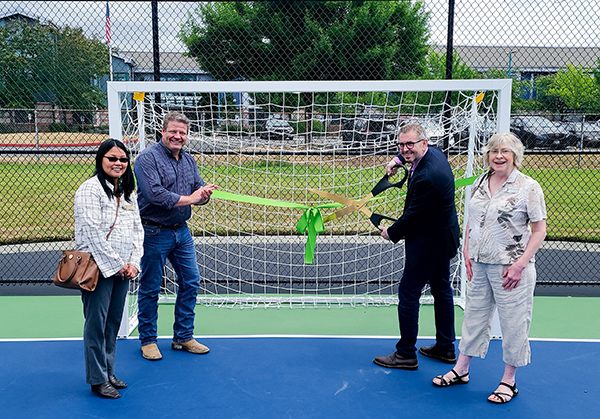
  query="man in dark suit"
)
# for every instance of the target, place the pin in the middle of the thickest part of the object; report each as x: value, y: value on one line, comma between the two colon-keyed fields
x: 429, y: 227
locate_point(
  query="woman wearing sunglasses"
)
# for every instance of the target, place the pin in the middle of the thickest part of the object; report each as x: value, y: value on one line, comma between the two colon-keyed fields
x: 108, y: 226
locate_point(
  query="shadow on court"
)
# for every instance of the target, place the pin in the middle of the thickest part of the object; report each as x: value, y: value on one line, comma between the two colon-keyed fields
x: 292, y: 378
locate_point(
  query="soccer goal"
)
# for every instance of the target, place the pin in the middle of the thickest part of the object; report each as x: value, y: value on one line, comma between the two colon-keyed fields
x: 269, y: 145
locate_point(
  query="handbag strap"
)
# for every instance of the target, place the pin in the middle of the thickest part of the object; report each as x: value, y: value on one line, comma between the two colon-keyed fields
x: 116, y: 215
x: 75, y: 265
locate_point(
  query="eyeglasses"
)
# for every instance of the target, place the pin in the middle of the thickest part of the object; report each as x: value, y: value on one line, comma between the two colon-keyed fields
x: 409, y: 144
x: 115, y: 159
x: 504, y: 152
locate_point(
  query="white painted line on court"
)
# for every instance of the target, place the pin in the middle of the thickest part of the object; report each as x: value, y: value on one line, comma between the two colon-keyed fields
x: 291, y: 336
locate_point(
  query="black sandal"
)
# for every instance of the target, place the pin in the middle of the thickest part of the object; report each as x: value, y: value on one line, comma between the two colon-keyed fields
x: 502, y: 396
x: 458, y: 379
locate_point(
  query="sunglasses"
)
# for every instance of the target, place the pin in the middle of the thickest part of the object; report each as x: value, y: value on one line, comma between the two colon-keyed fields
x: 114, y: 159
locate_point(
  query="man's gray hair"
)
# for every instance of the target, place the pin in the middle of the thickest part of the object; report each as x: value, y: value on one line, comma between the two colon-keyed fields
x: 175, y: 116
x: 416, y: 128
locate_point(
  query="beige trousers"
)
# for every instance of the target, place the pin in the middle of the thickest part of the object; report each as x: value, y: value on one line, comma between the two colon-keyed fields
x: 515, y: 310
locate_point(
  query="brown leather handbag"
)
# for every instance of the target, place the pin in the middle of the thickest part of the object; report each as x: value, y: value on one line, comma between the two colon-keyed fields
x: 78, y: 269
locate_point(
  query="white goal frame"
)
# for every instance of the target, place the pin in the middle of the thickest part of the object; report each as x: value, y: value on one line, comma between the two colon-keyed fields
x: 114, y: 88
x: 502, y: 87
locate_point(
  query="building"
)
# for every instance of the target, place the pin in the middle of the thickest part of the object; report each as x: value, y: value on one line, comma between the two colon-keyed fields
x: 174, y: 66
x: 19, y: 16
x: 525, y: 63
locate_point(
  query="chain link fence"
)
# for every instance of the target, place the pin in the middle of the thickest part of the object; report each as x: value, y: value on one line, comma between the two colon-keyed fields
x: 57, y: 57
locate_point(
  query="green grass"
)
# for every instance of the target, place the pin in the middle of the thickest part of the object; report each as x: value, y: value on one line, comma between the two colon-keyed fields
x: 36, y: 199
x: 572, y: 202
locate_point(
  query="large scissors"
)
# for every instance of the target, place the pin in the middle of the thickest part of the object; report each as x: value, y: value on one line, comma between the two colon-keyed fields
x: 352, y: 205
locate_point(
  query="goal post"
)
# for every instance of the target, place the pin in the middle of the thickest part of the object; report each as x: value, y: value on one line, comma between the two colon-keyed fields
x: 503, y: 86
x: 267, y: 144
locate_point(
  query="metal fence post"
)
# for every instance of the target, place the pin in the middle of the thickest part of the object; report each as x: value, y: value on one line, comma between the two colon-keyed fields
x: 37, y: 134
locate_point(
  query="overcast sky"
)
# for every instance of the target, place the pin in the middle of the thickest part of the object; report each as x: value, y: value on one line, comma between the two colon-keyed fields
x: 477, y: 22
x: 520, y: 22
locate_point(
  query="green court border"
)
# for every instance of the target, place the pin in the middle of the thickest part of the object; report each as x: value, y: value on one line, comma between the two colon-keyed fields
x: 48, y: 317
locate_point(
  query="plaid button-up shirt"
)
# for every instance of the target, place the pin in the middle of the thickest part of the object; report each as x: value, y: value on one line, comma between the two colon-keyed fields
x: 94, y: 215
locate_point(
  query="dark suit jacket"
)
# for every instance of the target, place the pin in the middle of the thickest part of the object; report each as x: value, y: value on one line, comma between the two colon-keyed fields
x: 429, y: 223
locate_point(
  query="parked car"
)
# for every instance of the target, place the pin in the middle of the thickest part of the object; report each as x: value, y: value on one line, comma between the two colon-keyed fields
x: 369, y: 131
x: 276, y: 129
x: 586, y: 131
x: 539, y: 132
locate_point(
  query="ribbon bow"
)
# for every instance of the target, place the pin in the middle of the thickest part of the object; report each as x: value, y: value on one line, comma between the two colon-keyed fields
x: 311, y: 221
x: 312, y: 224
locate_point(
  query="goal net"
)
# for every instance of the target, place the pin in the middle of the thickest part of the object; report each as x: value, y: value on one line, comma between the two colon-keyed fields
x: 269, y: 145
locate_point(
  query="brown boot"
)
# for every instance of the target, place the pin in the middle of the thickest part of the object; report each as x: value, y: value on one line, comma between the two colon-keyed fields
x: 192, y: 346
x: 151, y: 352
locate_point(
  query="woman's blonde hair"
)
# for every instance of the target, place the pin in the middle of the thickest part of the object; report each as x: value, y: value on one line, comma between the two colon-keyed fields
x: 511, y: 141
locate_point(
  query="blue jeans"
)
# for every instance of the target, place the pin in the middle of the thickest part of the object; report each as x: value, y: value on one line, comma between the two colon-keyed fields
x: 178, y: 246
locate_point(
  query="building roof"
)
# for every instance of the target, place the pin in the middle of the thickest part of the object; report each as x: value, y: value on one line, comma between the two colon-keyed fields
x: 20, y: 14
x: 170, y: 62
x: 126, y: 58
x: 523, y: 59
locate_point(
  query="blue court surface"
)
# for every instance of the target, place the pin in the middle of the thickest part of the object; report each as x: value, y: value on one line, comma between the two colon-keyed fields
x: 292, y: 377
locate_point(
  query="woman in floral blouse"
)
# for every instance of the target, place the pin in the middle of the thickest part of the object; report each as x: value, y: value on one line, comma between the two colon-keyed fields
x: 507, y: 225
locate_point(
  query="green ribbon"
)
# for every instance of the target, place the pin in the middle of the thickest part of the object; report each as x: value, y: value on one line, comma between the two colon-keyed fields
x: 464, y: 182
x: 230, y: 196
x: 312, y: 224
x: 311, y: 221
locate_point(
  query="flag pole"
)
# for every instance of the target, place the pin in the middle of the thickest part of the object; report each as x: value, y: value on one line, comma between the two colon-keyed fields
x: 108, y: 36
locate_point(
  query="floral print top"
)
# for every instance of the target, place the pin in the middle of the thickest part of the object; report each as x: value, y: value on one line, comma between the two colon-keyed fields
x: 499, y: 225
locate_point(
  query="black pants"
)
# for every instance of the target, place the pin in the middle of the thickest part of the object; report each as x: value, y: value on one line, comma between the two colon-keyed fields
x: 103, y: 310
x: 417, y: 273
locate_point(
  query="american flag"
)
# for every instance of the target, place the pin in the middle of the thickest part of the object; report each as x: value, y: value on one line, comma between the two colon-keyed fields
x: 107, y: 23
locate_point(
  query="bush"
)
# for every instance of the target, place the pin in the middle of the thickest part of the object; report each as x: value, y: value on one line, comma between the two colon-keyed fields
x: 57, y: 127
x: 103, y: 129
x: 6, y: 129
x: 301, y: 127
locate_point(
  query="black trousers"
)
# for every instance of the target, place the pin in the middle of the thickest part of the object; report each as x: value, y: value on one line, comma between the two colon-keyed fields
x: 418, y: 272
x: 103, y: 310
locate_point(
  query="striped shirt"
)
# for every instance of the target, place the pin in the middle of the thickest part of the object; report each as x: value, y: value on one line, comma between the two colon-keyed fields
x: 94, y: 215
x: 162, y: 181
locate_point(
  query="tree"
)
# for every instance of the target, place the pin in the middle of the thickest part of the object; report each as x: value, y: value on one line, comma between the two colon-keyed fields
x: 45, y: 63
x: 308, y: 40
x: 576, y: 88
x: 436, y: 68
x: 597, y: 74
